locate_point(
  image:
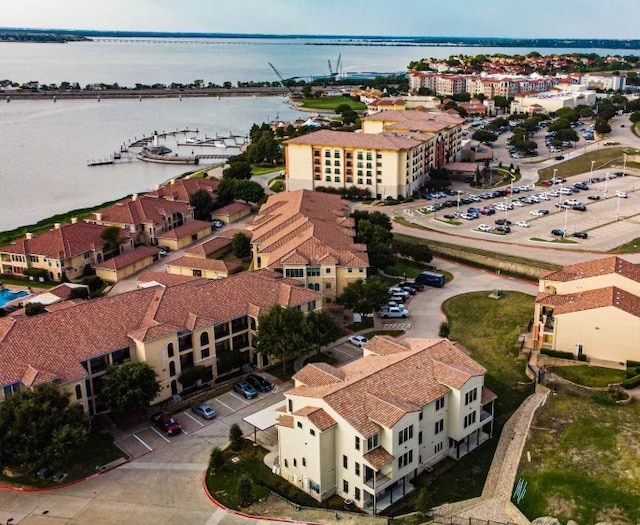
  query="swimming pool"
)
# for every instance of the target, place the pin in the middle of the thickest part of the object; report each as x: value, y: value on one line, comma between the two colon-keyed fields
x: 6, y: 296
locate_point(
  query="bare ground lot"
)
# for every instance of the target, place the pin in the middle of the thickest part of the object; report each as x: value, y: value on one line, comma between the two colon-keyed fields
x: 585, y: 464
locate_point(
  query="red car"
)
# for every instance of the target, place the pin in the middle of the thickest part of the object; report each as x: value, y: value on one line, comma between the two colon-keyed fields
x: 168, y: 424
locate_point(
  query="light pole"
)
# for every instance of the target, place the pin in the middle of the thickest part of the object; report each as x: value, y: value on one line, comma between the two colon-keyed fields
x: 566, y: 214
x: 458, y: 203
x: 624, y: 164
x: 618, y: 209
x: 606, y: 180
x: 555, y: 170
x: 506, y: 210
x: 591, y: 172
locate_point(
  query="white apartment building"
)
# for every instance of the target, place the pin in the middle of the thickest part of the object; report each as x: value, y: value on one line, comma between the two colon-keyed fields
x: 605, y: 81
x: 364, y: 431
x: 391, y: 157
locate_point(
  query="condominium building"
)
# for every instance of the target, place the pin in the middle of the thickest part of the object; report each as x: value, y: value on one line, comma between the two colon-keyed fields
x: 308, y: 236
x: 591, y: 309
x: 172, y: 328
x: 365, y: 430
x: 66, y: 251
x: 391, y: 157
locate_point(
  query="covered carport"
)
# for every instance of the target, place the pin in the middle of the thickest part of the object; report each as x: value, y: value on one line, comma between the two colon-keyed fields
x: 264, y: 419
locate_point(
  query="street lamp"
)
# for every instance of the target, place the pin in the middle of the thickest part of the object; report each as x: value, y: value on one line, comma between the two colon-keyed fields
x: 624, y: 164
x: 566, y: 214
x: 506, y: 210
x: 606, y: 180
x: 458, y: 203
x: 591, y: 172
x: 555, y: 170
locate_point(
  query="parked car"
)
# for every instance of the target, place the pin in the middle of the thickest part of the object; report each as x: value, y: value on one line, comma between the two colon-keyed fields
x: 594, y: 197
x: 621, y: 194
x: 358, y: 340
x: 557, y: 232
x: 164, y: 251
x: 579, y: 207
x: 244, y: 388
x: 581, y: 235
x: 393, y: 312
x: 395, y: 290
x: 59, y: 476
x: 259, y: 383
x: 484, y: 228
x: 522, y: 224
x: 503, y: 222
x: 416, y: 286
x: 503, y: 229
x: 217, y: 224
x: 204, y: 410
x: 395, y: 304
x: 167, y: 423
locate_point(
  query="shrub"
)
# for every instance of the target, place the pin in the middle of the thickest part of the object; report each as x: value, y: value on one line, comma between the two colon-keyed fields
x: 79, y: 293
x: 631, y: 383
x: 245, y: 491
x: 558, y: 354
x: 216, y: 458
x: 93, y: 282
x: 582, y: 357
x: 235, y: 436
x: 34, y: 309
x: 444, y: 329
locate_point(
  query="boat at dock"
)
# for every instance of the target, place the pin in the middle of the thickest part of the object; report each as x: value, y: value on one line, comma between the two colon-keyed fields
x: 219, y: 143
x: 100, y: 162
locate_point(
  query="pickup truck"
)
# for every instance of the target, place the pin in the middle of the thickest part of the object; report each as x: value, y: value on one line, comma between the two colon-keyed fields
x: 388, y: 312
x: 167, y: 423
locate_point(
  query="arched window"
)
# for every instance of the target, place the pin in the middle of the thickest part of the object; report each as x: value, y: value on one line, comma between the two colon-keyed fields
x: 170, y: 350
x: 204, y: 338
x: 172, y: 368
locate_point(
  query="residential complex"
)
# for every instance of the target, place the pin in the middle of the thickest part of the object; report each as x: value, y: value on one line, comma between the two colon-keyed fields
x: 308, y: 236
x: 172, y: 328
x: 592, y: 310
x: 67, y: 251
x: 391, y: 157
x: 365, y: 430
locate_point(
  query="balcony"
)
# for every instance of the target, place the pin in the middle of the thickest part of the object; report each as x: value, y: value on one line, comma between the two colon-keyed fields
x: 380, y: 483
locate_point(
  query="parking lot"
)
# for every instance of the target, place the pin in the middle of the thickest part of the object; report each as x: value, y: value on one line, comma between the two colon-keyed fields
x: 146, y: 438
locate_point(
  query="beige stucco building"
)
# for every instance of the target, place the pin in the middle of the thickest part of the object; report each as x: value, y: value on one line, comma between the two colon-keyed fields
x: 172, y: 328
x: 365, y: 430
x: 391, y: 157
x: 592, y: 310
x: 65, y: 251
x: 308, y: 236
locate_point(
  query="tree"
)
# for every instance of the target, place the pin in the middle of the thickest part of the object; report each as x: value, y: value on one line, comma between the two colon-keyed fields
x: 377, y: 217
x: 191, y: 376
x: 245, y: 491
x: 635, y: 117
x: 241, y: 245
x: 566, y: 135
x: 321, y: 329
x: 129, y: 387
x: 237, y: 170
x: 248, y: 191
x: 372, y: 234
x: 424, y: 501
x: 281, y: 334
x: 363, y: 297
x: 202, y: 203
x: 33, y: 308
x: 484, y: 136
x: 216, y: 458
x: 602, y: 126
x: 112, y: 236
x: 40, y: 427
x: 235, y: 437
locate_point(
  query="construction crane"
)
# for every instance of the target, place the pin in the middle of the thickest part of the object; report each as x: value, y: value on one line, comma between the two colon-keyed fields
x: 337, y: 70
x: 294, y: 94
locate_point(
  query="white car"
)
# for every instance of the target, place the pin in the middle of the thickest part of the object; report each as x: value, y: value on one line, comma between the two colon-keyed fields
x: 517, y: 203
x: 358, y: 340
x: 621, y: 194
x: 484, y: 228
x: 536, y: 213
x: 522, y: 224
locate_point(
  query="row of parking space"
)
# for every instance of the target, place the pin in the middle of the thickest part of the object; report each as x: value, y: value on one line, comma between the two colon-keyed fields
x: 149, y: 438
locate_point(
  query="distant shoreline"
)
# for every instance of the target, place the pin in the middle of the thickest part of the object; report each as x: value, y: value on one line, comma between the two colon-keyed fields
x: 145, y: 93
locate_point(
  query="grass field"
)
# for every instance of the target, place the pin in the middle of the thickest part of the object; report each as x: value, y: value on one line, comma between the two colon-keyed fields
x: 582, y: 164
x: 584, y: 463
x: 632, y: 246
x: 593, y: 376
x: 256, y: 171
x: 331, y: 103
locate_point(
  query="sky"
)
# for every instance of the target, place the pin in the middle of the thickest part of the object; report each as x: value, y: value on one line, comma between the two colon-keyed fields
x: 499, y: 18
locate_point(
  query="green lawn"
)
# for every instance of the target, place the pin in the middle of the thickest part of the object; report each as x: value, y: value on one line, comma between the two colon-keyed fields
x: 582, y: 164
x: 263, y: 170
x: 593, y: 376
x: 331, y: 103
x: 584, y: 462
x: 277, y: 186
x: 629, y: 247
x: 410, y: 270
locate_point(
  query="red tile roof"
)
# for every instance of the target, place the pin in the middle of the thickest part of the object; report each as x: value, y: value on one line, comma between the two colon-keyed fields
x: 379, y: 141
x: 129, y: 258
x: 142, y: 210
x: 232, y: 209
x: 69, y: 240
x: 592, y: 299
x: 604, y: 266
x: 163, y: 278
x: 378, y: 458
x: 211, y: 246
x: 391, y: 380
x: 182, y: 189
x: 200, y: 263
x: 186, y: 230
x: 58, y: 342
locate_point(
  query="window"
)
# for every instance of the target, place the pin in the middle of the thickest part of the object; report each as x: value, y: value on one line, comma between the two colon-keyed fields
x: 372, y: 442
x: 470, y: 396
x: 420, y: 416
x: 295, y: 462
x: 336, y: 154
x: 204, y: 339
x: 78, y: 392
x: 356, y: 494
x: 439, y: 426
x: 327, y: 153
x: 304, y: 462
x: 345, y: 461
x: 221, y: 330
x: 290, y: 405
x: 437, y: 448
x: 33, y: 258
x: 185, y: 342
x: 239, y: 324
x: 327, y: 270
x: 313, y: 272
x: 204, y: 353
x: 405, y: 434
x: 294, y: 272
x: 327, y: 178
x: 469, y: 419
x: 345, y: 486
x: 172, y: 368
x: 336, y: 179
x: 420, y: 438
x: 299, y: 424
x: 312, y: 432
x: 405, y: 459
x: 357, y: 443
x: 440, y: 403
x: 286, y: 463
x: 357, y: 469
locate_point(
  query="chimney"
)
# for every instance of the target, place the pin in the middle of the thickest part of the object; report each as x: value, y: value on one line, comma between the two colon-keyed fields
x: 134, y: 197
x: 57, y: 225
x: 74, y: 220
x: 28, y: 235
x: 172, y: 181
x: 156, y: 187
x: 98, y: 216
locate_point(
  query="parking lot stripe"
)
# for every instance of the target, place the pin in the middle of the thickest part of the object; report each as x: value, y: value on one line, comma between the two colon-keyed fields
x: 239, y: 399
x: 225, y: 405
x: 191, y: 417
x: 163, y: 437
x: 143, y: 443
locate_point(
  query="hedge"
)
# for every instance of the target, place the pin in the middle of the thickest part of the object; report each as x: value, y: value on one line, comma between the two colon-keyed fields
x: 632, y: 383
x: 558, y: 354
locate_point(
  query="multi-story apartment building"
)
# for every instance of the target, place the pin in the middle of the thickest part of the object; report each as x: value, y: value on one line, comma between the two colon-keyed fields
x: 451, y: 84
x: 66, y: 251
x: 605, y: 81
x: 591, y: 309
x: 173, y: 328
x: 365, y: 430
x: 308, y: 236
x: 145, y: 218
x: 391, y: 157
